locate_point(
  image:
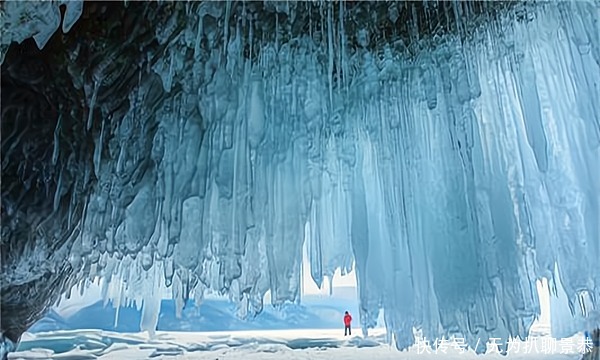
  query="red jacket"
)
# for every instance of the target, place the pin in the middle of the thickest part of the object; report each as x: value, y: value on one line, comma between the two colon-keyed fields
x: 347, y: 319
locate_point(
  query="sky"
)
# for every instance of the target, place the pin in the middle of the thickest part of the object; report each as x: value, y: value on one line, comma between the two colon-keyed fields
x: 310, y: 288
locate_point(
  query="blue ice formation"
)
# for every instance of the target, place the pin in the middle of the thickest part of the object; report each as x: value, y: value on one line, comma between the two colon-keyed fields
x: 452, y: 170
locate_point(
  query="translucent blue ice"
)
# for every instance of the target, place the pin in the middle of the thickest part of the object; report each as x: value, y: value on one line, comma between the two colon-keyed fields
x: 452, y: 172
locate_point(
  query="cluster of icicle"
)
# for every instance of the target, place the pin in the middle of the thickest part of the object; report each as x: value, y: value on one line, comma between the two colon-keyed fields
x: 451, y: 180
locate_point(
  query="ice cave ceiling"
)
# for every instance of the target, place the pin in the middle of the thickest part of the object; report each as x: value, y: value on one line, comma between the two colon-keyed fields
x: 448, y: 150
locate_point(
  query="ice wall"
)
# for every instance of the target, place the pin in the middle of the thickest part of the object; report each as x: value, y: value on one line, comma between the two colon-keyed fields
x: 453, y: 170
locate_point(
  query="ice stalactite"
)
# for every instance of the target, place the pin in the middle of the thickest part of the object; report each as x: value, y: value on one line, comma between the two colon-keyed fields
x: 38, y: 20
x: 452, y: 165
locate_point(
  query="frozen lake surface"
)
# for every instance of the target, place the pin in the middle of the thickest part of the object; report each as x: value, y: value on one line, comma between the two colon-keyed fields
x: 264, y: 344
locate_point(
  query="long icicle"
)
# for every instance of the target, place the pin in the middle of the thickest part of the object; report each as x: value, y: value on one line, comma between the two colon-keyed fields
x: 331, y: 56
x: 92, y: 105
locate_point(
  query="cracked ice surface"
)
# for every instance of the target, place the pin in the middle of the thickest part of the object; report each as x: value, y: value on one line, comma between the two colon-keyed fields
x: 453, y: 172
x: 291, y: 344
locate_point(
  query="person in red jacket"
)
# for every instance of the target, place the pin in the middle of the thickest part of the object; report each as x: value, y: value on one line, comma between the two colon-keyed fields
x: 347, y: 323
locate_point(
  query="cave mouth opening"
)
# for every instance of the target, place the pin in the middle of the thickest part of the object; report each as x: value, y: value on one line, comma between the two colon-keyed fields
x: 99, y: 304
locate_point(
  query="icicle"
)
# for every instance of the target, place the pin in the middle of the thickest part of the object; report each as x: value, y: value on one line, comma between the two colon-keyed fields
x: 70, y: 216
x: 58, y: 192
x: 310, y: 25
x: 169, y: 79
x: 46, y: 27
x: 339, y: 54
x: 414, y: 23
x: 251, y: 38
x: 240, y: 48
x: 178, y: 296
x: 331, y: 56
x: 226, y: 25
x: 92, y: 104
x: 457, y: 7
x: 150, y: 311
x: 81, y: 288
x: 98, y: 151
x: 199, y: 34
x: 147, y: 258
x: 277, y: 33
x: 74, y: 9
x: 344, y: 63
x: 57, y: 131
x: 117, y: 303
x: 120, y: 160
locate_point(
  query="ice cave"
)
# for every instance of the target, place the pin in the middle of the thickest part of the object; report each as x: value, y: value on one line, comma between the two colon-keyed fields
x: 447, y: 151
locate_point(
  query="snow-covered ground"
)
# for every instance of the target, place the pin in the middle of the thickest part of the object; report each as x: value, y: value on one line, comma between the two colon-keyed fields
x: 249, y: 345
